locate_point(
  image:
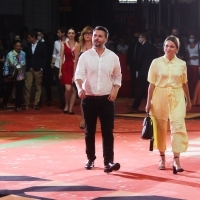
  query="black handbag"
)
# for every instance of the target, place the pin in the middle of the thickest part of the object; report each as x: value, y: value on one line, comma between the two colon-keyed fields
x: 12, y: 73
x: 147, y: 131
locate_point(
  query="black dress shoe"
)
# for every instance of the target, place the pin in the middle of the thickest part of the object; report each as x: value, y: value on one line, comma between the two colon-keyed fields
x: 65, y: 111
x: 71, y: 113
x: 36, y: 107
x: 25, y: 107
x: 111, y: 166
x: 132, y: 110
x: 18, y: 109
x: 89, y: 164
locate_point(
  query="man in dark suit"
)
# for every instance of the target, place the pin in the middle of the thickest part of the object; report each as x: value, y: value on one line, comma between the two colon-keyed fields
x: 47, y: 71
x: 146, y: 54
x: 181, y: 52
x: 131, y: 61
x: 36, y: 61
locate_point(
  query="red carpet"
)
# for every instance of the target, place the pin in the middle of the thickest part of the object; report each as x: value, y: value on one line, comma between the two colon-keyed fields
x: 43, y: 155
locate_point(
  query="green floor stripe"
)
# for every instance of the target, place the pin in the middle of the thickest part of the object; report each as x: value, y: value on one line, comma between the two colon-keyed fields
x: 38, y: 140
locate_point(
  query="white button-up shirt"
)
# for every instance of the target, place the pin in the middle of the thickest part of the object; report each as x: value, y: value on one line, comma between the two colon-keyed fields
x: 98, y: 73
x: 33, y: 46
x: 56, y: 52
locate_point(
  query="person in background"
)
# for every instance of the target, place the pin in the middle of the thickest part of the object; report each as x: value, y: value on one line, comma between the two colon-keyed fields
x: 98, y: 79
x: 2, y: 83
x: 193, y: 56
x: 62, y: 38
x: 15, y: 58
x: 40, y: 35
x: 181, y: 53
x: 36, y: 62
x: 16, y: 37
x: 66, y: 70
x: 46, y: 78
x: 122, y: 47
x: 12, y: 33
x: 132, y: 55
x: 112, y: 47
x: 168, y: 98
x: 158, y: 43
x: 147, y: 52
x: 85, y: 43
x: 24, y: 39
x: 7, y: 44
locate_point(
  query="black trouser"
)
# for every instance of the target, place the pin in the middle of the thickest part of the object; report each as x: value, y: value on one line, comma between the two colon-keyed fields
x: 61, y: 88
x: 2, y: 86
x: 18, y: 92
x: 47, y: 80
x: 104, y: 109
x: 142, y: 87
x: 133, y: 80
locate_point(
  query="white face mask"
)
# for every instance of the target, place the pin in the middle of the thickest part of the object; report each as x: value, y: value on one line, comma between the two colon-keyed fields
x: 191, y: 40
x: 39, y: 37
x: 140, y: 40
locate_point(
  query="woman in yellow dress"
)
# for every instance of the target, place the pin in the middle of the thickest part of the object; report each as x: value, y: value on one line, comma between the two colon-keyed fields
x: 168, y: 98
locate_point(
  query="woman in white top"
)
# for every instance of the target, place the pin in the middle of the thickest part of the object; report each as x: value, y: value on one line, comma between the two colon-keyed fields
x: 192, y: 63
x: 122, y: 47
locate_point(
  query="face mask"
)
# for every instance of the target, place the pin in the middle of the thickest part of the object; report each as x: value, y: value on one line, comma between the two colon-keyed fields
x: 140, y: 40
x: 39, y: 37
x: 191, y: 40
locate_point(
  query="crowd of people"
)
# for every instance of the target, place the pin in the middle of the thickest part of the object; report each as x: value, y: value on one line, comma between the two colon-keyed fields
x: 85, y: 67
x: 47, y: 65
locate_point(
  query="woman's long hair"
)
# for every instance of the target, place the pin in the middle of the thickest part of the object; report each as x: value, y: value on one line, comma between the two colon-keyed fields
x: 81, y: 37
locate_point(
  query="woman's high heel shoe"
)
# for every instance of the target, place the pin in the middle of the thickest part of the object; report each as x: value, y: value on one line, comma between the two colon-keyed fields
x: 175, y: 168
x: 161, y: 165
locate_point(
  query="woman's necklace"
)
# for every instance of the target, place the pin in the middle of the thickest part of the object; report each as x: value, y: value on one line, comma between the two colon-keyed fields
x: 88, y: 46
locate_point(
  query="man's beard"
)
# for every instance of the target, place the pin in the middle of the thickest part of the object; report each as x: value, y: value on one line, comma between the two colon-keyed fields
x: 97, y: 45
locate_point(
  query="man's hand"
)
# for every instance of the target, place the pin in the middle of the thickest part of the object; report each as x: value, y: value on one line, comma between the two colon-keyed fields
x: 81, y: 94
x: 113, y: 95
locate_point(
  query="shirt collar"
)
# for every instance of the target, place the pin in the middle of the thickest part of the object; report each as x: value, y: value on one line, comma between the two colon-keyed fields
x: 105, y: 50
x: 35, y: 43
x: 169, y: 61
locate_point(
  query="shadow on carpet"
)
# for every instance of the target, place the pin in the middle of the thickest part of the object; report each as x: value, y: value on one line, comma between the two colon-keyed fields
x: 137, y: 198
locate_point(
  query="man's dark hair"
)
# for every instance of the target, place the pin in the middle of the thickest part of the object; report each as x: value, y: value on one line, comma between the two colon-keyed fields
x: 145, y: 35
x: 62, y: 29
x: 40, y: 30
x: 33, y: 33
x: 101, y: 28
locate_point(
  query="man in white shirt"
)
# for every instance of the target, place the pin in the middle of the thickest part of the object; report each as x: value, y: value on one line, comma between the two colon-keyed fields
x: 98, y: 79
x: 61, y: 33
